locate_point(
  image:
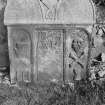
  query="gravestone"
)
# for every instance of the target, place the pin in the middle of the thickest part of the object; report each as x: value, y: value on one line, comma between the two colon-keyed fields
x: 37, y: 34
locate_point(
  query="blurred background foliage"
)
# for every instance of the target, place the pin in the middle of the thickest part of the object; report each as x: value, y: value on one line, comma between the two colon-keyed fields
x: 100, y: 10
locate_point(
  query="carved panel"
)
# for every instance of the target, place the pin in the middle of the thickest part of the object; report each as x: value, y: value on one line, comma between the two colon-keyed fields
x: 50, y: 55
x: 76, y: 54
x: 21, y: 54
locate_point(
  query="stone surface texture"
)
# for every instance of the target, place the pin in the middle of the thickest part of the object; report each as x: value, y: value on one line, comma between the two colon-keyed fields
x: 62, y: 11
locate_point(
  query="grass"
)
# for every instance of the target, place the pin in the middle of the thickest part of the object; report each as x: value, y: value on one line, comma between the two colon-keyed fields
x: 84, y: 93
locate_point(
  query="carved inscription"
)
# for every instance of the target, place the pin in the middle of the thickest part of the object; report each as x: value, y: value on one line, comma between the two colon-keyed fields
x: 50, y: 39
x: 50, y: 54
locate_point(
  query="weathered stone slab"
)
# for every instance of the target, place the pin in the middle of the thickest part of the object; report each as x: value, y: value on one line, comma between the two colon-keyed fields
x: 48, y: 11
x: 20, y: 55
x: 76, y: 54
x: 50, y: 55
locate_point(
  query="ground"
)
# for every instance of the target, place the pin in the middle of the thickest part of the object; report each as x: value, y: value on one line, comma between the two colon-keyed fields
x: 83, y: 93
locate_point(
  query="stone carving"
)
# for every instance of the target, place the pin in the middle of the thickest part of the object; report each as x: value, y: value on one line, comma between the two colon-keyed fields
x: 21, y: 44
x: 46, y: 16
x: 48, y: 11
x: 50, y: 54
x: 21, y: 53
x: 76, y: 54
x: 56, y: 53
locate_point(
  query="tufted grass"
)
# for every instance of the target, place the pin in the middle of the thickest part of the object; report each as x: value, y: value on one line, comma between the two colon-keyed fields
x: 84, y: 93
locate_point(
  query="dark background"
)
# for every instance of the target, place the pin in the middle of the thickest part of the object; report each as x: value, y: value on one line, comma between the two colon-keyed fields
x: 4, y: 58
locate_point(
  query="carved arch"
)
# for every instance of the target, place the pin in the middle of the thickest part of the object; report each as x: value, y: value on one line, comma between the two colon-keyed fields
x: 22, y: 53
